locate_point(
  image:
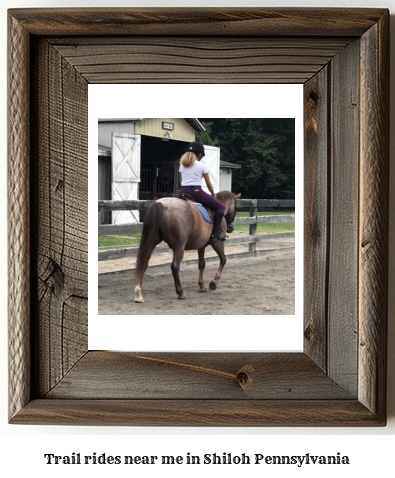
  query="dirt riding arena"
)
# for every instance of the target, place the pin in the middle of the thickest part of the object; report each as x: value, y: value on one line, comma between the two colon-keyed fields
x: 263, y: 284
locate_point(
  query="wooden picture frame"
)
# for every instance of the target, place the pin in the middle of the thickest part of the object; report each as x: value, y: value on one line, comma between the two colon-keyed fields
x: 342, y: 58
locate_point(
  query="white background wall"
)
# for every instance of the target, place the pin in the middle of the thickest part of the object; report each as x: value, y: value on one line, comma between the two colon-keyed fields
x: 370, y: 450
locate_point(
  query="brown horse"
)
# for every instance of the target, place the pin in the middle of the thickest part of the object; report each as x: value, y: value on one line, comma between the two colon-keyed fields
x: 180, y: 224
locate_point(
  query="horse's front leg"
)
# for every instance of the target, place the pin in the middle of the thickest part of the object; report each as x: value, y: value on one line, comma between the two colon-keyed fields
x: 219, y: 248
x: 202, y: 265
x: 178, y: 254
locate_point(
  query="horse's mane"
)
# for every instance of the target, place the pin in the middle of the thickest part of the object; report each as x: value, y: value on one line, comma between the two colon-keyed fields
x: 224, y: 195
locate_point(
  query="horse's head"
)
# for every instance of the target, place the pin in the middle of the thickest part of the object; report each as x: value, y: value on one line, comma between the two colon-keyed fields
x: 229, y: 199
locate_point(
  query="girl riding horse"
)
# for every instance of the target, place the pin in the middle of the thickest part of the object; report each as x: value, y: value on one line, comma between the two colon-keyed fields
x: 192, y: 170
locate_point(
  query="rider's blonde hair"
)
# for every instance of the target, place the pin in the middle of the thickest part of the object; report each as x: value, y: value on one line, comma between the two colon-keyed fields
x: 188, y: 159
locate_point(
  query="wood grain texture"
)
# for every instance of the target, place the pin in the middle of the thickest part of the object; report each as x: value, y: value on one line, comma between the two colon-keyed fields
x: 373, y: 227
x: 60, y: 202
x: 198, y: 22
x: 185, y: 376
x: 343, y: 223
x: 201, y: 413
x: 316, y: 214
x: 49, y: 265
x: 203, y: 60
x: 18, y: 218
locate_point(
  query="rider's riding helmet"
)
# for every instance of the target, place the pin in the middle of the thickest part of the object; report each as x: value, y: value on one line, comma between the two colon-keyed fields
x: 196, y: 147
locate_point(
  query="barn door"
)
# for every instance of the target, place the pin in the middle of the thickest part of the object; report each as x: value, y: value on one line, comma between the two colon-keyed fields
x: 211, y: 160
x: 126, y: 154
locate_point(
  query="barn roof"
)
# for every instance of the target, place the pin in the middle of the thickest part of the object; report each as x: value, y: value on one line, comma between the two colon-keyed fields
x: 118, y: 120
x: 226, y: 164
x: 194, y: 122
x: 104, y: 150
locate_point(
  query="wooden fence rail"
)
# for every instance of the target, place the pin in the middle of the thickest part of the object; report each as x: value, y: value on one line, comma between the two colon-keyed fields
x: 241, y: 204
x: 252, y: 204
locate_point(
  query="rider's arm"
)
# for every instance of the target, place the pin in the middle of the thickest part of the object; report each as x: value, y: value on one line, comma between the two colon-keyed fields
x: 208, y: 182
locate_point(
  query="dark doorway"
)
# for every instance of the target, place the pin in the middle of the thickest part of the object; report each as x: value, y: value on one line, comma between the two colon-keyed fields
x: 160, y: 159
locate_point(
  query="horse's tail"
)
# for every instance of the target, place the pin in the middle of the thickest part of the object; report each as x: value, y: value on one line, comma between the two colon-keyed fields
x: 150, y: 237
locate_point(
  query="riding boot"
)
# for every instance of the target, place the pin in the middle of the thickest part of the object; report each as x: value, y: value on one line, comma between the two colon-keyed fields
x: 217, y: 233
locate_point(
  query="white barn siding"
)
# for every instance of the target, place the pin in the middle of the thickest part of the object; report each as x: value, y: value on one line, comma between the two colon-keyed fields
x: 212, y: 161
x: 107, y: 129
x: 225, y: 179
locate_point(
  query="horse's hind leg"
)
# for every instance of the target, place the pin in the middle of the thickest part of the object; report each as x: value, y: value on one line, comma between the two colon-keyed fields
x: 178, y: 254
x: 202, y: 265
x: 143, y: 258
x: 219, y: 248
x: 138, y: 278
x: 138, y: 296
x: 150, y: 238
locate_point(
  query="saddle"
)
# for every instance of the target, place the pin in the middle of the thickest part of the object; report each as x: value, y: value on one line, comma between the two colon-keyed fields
x: 208, y: 214
x: 186, y: 197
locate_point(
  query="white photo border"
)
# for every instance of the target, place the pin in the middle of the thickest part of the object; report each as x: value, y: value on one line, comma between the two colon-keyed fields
x: 158, y: 333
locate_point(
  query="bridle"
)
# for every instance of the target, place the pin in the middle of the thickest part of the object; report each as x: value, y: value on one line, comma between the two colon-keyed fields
x: 229, y: 222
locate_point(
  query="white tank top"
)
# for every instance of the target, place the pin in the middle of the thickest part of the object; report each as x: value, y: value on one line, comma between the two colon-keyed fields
x: 193, y: 175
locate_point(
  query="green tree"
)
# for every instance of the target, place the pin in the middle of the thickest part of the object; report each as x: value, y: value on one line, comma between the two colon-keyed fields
x: 263, y: 147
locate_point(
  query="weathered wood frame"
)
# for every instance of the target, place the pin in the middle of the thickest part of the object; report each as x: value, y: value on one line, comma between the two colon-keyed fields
x: 341, y: 56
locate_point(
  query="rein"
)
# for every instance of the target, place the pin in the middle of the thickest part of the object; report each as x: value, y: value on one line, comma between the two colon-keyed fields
x: 230, y: 227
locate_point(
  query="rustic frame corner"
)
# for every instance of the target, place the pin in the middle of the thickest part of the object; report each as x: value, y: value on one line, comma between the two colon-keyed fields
x: 342, y: 58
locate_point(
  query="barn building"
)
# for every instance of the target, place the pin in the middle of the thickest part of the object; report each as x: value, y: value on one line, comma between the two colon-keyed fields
x: 138, y: 158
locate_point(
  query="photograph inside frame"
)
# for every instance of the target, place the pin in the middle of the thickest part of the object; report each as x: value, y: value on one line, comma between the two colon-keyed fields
x: 162, y: 158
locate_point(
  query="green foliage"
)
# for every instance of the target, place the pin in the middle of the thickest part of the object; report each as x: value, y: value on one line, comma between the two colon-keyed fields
x: 263, y: 147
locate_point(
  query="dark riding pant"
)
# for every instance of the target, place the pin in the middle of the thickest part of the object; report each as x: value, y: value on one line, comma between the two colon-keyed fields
x: 206, y: 199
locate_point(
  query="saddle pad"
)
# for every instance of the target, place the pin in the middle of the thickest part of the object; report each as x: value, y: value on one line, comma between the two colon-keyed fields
x: 203, y: 212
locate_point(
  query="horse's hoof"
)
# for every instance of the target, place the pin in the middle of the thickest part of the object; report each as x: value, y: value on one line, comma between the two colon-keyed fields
x: 182, y: 296
x: 203, y: 290
x: 213, y: 285
x: 138, y: 296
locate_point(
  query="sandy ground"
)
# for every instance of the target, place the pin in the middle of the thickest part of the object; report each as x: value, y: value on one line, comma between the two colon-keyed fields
x: 258, y: 285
